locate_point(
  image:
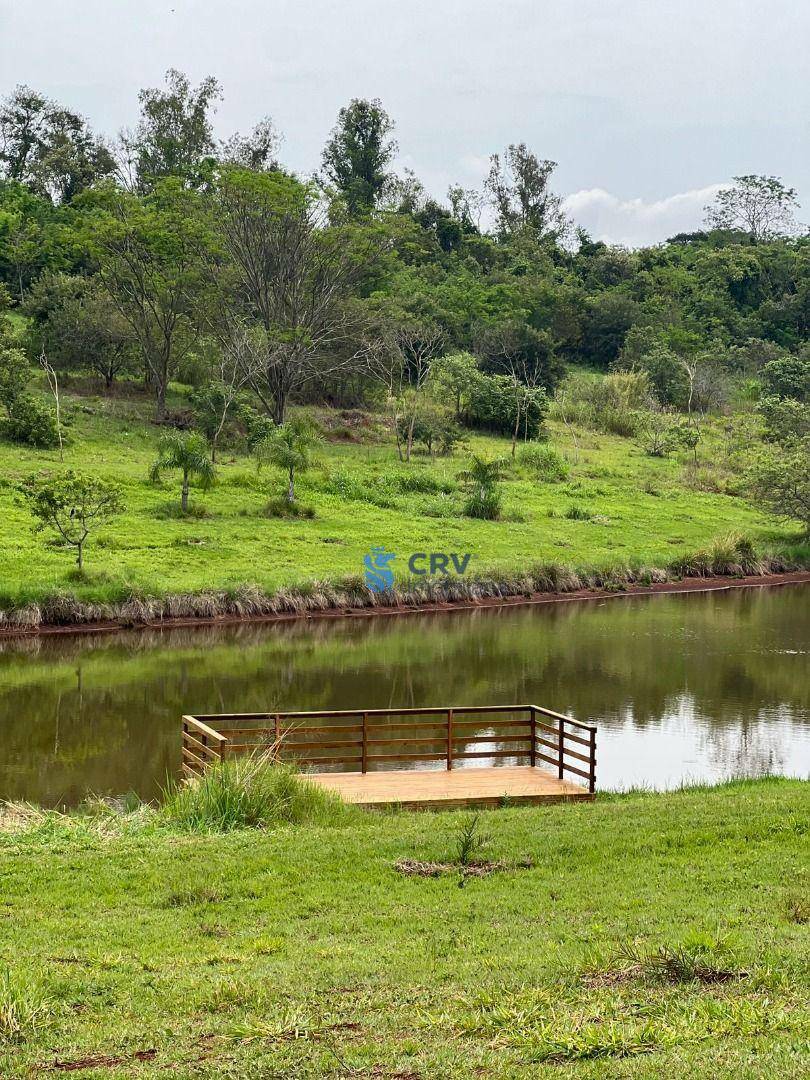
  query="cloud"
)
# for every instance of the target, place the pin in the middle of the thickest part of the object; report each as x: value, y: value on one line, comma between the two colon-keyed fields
x: 635, y: 222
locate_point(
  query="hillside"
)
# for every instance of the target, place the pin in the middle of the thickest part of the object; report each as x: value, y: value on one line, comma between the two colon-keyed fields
x: 616, y: 507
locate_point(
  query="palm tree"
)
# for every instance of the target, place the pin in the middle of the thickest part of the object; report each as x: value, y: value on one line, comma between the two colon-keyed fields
x: 482, y: 475
x: 189, y: 454
x: 289, y: 446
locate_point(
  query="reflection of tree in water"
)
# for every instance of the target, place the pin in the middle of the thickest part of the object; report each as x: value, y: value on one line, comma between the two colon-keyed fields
x: 739, y: 657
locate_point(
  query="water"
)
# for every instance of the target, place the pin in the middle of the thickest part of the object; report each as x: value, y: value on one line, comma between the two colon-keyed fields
x: 683, y: 687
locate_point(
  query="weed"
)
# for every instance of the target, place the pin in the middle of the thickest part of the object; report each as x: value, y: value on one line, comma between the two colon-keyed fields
x: 283, y: 508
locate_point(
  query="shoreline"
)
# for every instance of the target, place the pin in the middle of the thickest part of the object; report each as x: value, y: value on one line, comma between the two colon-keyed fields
x: 696, y: 584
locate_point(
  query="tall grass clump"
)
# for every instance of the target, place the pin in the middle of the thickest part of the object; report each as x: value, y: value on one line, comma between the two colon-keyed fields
x: 253, y: 792
x: 23, y: 1009
x: 544, y: 463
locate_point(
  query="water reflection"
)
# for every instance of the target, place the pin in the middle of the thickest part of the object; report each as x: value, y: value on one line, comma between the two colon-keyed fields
x: 682, y: 687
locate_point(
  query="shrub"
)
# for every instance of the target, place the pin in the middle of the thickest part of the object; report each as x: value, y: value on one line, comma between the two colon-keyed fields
x: 14, y: 375
x: 481, y: 479
x: 248, y: 793
x: 779, y: 481
x: 544, y: 462
x: 283, y: 508
x: 578, y: 513
x: 432, y: 428
x: 493, y: 406
x: 788, y: 377
x: 32, y: 422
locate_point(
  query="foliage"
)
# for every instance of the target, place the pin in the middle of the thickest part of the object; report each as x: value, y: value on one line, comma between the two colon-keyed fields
x: 289, y: 447
x: 188, y: 454
x: 15, y: 374
x: 759, y: 205
x: 358, y: 153
x: 72, y: 505
x: 32, y: 422
x: 780, y: 481
x: 500, y: 404
x: 788, y: 377
x: 481, y: 479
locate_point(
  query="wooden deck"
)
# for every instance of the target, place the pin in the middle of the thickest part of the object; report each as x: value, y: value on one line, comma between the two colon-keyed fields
x: 416, y: 789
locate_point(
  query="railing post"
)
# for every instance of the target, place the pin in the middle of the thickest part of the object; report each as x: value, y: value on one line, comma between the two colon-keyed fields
x: 592, y: 779
x: 449, y: 738
x: 533, y: 736
x: 560, y: 747
x: 364, y: 763
x: 277, y: 737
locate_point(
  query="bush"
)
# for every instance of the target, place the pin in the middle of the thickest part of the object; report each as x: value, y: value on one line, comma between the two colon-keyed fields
x: 788, y: 377
x: 544, y: 462
x: 32, y: 422
x: 283, y: 508
x: 493, y: 407
x: 433, y: 429
x: 779, y: 481
x: 248, y: 793
x: 14, y: 376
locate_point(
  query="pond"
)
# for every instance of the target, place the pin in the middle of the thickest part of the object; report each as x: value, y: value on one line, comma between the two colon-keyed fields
x: 690, y: 687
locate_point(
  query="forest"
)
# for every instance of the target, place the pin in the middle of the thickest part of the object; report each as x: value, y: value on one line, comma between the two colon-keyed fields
x: 251, y: 312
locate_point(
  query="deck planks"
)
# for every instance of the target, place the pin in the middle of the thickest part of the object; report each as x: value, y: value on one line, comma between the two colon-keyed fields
x: 442, y: 789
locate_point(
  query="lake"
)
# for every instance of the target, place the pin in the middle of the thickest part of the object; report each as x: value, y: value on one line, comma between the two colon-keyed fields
x: 689, y: 687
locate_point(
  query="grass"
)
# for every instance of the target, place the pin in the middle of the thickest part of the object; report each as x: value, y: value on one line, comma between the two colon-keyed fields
x: 247, y: 793
x: 302, y: 951
x: 632, y: 511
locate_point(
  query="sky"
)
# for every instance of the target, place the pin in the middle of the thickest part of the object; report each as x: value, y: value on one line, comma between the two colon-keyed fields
x: 648, y: 106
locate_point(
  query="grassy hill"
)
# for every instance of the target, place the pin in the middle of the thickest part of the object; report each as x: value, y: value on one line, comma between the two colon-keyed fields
x: 617, y: 507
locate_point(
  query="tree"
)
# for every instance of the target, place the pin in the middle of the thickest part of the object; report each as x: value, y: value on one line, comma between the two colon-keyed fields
x: 187, y: 453
x: 148, y: 252
x: 71, y: 504
x: 238, y: 361
x: 758, y: 205
x: 519, y: 187
x: 291, y: 276
x: 48, y: 148
x: 289, y: 447
x: 174, y: 135
x: 79, y: 327
x: 358, y: 153
x: 456, y: 373
x: 526, y: 357
x: 779, y: 481
x: 481, y: 478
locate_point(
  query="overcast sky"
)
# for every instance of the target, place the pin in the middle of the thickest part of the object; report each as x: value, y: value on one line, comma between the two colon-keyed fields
x: 647, y: 105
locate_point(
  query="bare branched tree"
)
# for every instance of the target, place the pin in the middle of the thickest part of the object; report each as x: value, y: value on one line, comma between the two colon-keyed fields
x: 294, y: 276
x: 399, y: 356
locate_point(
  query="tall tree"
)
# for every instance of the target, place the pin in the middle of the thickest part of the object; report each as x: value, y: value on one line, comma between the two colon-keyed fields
x: 519, y: 187
x: 148, y: 252
x: 291, y: 275
x: 174, y: 135
x: 759, y: 205
x: 48, y: 148
x: 358, y: 153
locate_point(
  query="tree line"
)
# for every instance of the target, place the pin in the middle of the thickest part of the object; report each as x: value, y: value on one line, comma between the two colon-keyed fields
x: 170, y: 255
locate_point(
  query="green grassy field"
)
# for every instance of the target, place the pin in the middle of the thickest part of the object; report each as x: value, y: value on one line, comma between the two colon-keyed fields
x: 304, y: 952
x: 643, y: 510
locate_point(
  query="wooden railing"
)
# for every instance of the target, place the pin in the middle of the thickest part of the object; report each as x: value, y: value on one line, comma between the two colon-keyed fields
x: 361, y: 739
